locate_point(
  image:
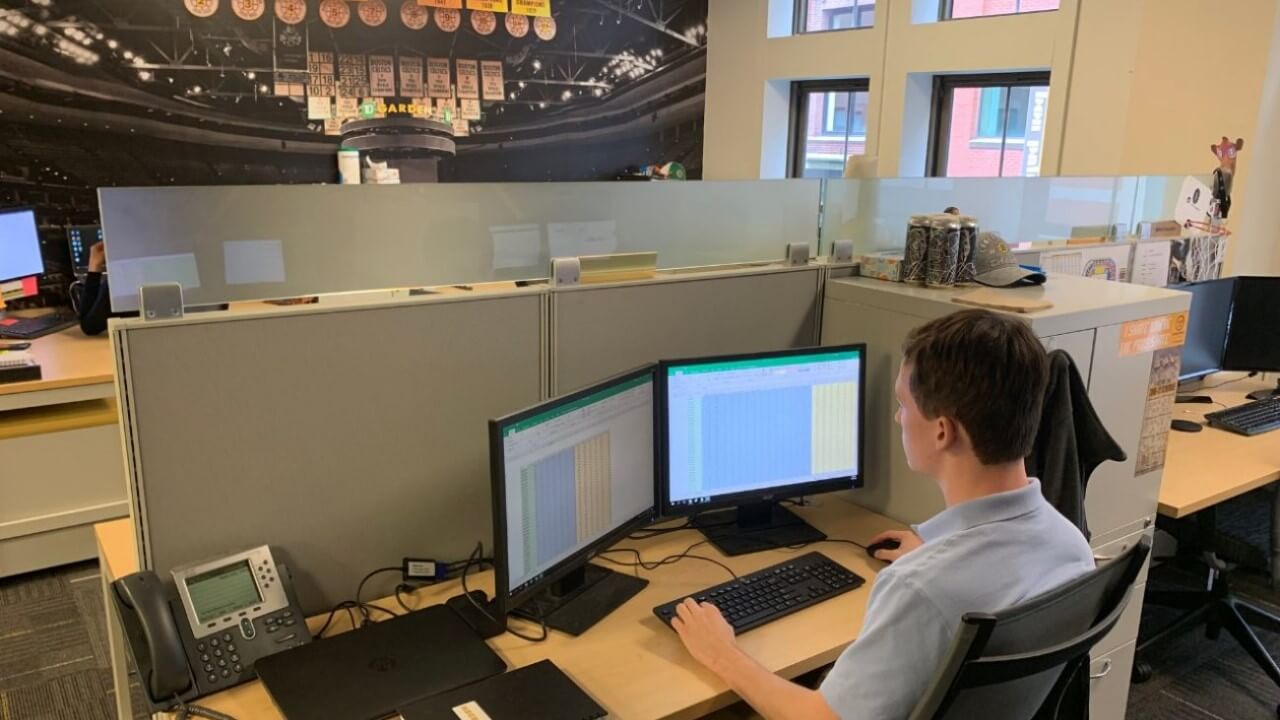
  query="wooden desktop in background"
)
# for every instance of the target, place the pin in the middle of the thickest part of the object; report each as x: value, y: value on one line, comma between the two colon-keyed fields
x: 631, y: 663
x: 1205, y: 468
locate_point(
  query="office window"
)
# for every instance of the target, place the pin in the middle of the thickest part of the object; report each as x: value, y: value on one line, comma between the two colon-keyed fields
x: 829, y: 123
x: 989, y: 126
x: 958, y: 9
x: 823, y: 15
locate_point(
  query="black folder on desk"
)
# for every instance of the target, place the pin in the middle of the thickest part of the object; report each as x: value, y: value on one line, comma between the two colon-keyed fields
x: 537, y: 692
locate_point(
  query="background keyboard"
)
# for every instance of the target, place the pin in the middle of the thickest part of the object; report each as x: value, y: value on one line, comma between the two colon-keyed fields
x: 1252, y: 418
x: 774, y: 592
x: 29, y: 328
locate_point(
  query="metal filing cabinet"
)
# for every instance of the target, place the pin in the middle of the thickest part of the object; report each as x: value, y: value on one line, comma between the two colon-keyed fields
x: 1114, y: 332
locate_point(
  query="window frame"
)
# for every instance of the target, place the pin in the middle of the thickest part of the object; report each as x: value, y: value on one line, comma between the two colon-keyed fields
x: 797, y: 129
x: 947, y: 7
x: 944, y: 87
x: 800, y: 11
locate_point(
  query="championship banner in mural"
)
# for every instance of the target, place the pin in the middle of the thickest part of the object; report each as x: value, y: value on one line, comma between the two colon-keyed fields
x: 489, y: 5
x: 290, y: 61
x: 411, y: 76
x: 438, y: 85
x: 491, y: 73
x: 537, y: 8
x: 348, y: 108
x: 442, y: 4
x: 382, y: 75
x: 468, y: 79
x: 470, y: 109
x: 320, y: 79
x: 461, y: 128
x: 353, y: 76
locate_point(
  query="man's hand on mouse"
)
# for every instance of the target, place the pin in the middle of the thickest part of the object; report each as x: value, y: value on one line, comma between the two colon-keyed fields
x: 907, y: 541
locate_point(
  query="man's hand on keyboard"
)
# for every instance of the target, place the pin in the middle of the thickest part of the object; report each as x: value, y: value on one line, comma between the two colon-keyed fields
x: 705, y: 633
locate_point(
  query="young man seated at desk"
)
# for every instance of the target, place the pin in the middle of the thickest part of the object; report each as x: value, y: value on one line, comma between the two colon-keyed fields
x: 969, y: 392
x: 95, y: 299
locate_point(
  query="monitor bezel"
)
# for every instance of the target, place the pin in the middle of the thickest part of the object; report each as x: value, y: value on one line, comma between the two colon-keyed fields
x: 667, y: 510
x: 1232, y: 328
x: 1226, y: 336
x: 35, y: 218
x: 505, y: 600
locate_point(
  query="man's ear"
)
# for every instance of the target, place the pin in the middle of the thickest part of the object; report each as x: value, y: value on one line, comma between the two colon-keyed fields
x: 948, y: 433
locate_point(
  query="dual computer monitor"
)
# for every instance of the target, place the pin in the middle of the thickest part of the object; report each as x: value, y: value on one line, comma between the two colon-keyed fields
x: 736, y: 434
x: 1234, y: 325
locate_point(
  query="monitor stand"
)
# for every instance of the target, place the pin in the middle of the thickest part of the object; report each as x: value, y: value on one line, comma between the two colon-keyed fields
x: 1265, y: 394
x: 581, y: 599
x: 754, y: 527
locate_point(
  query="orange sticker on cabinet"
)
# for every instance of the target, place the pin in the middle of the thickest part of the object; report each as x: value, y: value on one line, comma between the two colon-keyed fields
x: 1138, y: 337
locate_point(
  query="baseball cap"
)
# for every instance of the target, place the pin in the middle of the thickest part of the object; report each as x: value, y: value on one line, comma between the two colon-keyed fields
x: 997, y: 267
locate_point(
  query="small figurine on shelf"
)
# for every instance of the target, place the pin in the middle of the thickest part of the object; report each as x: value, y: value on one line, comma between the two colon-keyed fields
x: 1226, y: 152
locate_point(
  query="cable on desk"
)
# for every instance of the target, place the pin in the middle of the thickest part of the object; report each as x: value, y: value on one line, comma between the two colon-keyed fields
x: 476, y: 558
x: 668, y: 560
x: 367, y: 578
x: 188, y: 711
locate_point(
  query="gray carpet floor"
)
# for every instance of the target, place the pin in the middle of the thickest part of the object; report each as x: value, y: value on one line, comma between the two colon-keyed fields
x: 55, y: 665
x: 54, y: 661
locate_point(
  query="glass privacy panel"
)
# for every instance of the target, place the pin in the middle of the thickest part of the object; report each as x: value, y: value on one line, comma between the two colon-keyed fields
x: 235, y: 243
x: 874, y: 213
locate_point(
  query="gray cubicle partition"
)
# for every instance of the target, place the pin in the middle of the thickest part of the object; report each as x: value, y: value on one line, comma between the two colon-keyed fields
x: 347, y: 437
x: 597, y: 331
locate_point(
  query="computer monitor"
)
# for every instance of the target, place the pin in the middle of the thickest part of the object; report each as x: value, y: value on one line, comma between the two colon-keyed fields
x: 571, y: 476
x: 79, y: 239
x: 747, y: 431
x: 19, y: 245
x: 1207, y: 327
x: 1253, y: 341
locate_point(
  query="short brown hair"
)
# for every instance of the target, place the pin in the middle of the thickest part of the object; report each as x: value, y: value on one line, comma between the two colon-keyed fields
x: 986, y: 371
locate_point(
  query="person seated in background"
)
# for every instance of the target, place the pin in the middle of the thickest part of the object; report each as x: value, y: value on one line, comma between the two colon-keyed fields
x: 95, y: 298
x: 969, y: 391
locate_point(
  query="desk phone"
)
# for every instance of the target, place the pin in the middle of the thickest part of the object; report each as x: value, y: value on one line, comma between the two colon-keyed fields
x: 205, y: 633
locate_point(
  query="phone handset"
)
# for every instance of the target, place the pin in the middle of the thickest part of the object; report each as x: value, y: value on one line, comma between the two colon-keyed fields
x: 164, y: 666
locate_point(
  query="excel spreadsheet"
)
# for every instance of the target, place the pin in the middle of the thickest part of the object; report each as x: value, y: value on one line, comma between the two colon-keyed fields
x: 574, y: 473
x: 754, y: 424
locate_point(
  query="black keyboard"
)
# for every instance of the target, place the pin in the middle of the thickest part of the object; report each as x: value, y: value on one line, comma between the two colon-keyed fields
x: 29, y: 328
x: 1252, y: 418
x: 774, y: 592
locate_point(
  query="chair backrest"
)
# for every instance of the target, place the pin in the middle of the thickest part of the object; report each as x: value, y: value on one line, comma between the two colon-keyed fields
x: 1010, y: 664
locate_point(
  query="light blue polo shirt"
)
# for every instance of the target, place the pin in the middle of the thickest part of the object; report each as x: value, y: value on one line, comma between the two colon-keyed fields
x: 980, y: 556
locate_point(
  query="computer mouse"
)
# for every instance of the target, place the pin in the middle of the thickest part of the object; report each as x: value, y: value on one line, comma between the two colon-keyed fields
x: 1186, y: 426
x: 889, y: 544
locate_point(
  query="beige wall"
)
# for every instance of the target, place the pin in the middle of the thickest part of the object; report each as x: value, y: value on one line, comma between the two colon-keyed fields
x: 1257, y: 246
x: 1139, y: 87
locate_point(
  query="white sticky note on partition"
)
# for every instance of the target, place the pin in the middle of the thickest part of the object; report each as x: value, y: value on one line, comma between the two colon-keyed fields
x: 253, y: 261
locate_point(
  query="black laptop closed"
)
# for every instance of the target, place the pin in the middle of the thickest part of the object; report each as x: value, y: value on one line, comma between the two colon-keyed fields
x: 368, y: 673
x: 537, y: 692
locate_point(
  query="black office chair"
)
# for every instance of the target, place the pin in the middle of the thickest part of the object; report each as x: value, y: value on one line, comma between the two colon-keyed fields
x: 1021, y: 663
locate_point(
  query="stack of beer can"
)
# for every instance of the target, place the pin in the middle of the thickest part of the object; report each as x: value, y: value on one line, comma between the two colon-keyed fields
x: 940, y: 250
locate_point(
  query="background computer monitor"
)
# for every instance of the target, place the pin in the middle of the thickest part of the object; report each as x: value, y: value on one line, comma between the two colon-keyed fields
x: 79, y: 239
x: 747, y: 431
x: 1207, y: 327
x: 1253, y: 341
x: 19, y: 245
x: 571, y: 476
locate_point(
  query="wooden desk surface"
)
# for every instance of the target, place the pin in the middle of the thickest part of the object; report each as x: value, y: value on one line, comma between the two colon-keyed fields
x: 631, y: 663
x: 1205, y: 468
x: 68, y: 359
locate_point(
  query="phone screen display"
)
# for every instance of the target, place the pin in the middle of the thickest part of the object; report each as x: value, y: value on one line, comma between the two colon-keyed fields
x: 223, y: 591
